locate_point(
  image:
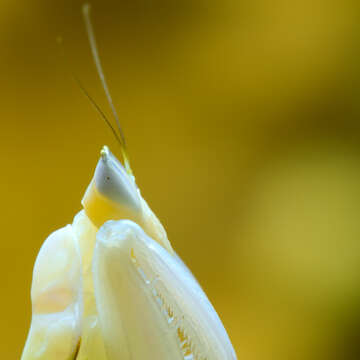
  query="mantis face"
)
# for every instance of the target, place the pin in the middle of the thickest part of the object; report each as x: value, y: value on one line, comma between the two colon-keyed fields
x: 116, y: 290
x: 113, y: 194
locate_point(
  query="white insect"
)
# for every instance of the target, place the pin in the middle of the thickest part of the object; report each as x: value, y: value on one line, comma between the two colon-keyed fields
x: 110, y: 287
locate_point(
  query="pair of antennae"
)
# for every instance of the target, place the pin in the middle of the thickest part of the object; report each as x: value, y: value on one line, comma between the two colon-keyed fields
x: 119, y: 135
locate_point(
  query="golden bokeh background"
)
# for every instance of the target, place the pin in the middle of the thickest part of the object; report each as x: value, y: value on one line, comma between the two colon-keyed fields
x: 242, y: 122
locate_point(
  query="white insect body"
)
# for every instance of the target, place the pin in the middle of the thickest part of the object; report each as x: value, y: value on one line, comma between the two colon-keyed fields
x: 118, y: 292
x: 110, y: 287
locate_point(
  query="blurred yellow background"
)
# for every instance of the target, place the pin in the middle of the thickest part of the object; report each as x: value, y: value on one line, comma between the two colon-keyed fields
x: 242, y: 122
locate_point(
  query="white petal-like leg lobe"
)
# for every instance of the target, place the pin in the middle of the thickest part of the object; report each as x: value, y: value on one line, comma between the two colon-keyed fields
x: 56, y: 299
x: 149, y: 305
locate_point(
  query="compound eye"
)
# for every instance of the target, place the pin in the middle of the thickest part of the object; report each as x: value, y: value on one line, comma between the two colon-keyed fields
x: 114, y: 183
x: 112, y: 193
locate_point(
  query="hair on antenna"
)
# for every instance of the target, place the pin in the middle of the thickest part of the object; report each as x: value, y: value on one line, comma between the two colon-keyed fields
x: 94, y: 50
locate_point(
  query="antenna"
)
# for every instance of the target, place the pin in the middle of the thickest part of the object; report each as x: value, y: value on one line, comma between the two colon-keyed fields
x: 97, y: 108
x: 85, y: 92
x: 91, y: 36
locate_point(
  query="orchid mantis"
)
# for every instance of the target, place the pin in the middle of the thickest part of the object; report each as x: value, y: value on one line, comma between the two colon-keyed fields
x: 110, y: 286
